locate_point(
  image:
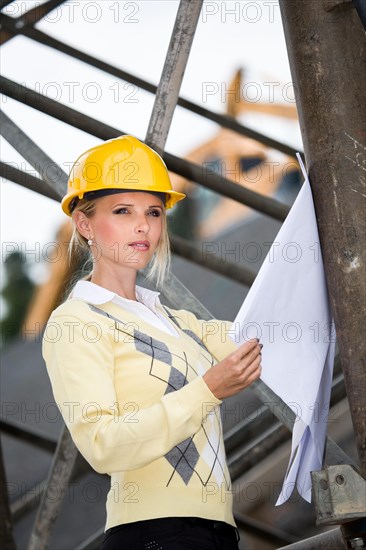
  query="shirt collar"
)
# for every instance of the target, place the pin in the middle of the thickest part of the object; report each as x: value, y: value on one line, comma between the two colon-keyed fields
x: 96, y: 295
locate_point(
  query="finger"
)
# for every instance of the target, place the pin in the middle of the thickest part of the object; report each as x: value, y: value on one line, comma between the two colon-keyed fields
x: 249, y: 369
x: 246, y: 380
x: 251, y: 355
x: 244, y: 349
x: 254, y: 376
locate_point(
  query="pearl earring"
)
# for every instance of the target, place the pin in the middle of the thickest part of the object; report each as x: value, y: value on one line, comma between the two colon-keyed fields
x: 90, y: 241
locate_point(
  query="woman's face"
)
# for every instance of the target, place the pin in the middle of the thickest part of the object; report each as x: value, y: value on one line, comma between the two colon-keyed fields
x: 125, y: 228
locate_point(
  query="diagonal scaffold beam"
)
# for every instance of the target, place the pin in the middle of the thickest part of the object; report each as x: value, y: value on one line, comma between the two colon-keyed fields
x: 27, y: 20
x: 331, y: 540
x: 11, y: 173
x: 6, y: 524
x: 171, y: 79
x: 60, y: 473
x: 4, y: 3
x: 32, y: 16
x: 49, y: 171
x: 270, y: 435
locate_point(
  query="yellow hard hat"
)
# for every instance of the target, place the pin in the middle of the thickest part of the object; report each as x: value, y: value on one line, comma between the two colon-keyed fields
x: 123, y: 163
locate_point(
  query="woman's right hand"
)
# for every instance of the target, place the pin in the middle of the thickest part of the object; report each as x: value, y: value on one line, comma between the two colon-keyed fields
x: 236, y: 372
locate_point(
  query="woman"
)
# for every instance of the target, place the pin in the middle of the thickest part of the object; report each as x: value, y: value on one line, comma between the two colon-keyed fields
x: 139, y: 385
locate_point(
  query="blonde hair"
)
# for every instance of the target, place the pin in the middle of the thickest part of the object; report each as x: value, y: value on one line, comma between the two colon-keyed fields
x: 159, y: 265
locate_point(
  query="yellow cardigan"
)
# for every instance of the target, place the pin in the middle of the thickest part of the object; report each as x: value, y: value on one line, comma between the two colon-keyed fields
x: 137, y: 407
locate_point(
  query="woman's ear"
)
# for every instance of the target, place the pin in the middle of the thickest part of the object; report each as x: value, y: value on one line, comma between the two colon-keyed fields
x: 82, y: 223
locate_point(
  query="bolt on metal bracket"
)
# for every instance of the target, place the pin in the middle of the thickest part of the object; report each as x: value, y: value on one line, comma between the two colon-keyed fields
x: 339, y: 494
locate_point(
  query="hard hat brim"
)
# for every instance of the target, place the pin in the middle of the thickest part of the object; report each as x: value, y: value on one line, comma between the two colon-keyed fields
x: 172, y: 197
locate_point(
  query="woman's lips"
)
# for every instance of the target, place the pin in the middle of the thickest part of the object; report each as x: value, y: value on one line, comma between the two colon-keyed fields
x: 140, y: 245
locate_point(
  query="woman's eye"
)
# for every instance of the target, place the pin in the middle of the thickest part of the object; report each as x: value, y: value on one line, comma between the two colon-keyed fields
x: 120, y: 211
x: 156, y: 213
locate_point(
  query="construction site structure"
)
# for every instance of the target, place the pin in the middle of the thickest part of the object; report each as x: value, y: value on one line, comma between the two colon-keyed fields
x: 326, y: 47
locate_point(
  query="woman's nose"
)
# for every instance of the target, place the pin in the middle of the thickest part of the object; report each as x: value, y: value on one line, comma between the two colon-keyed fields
x: 142, y: 225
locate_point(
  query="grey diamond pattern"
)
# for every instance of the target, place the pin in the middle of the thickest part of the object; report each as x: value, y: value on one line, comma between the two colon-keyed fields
x: 183, y: 459
x: 195, y: 338
x: 176, y: 380
x: 150, y: 346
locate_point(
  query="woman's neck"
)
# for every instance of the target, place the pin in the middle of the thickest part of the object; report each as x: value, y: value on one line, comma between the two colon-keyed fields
x: 123, y: 285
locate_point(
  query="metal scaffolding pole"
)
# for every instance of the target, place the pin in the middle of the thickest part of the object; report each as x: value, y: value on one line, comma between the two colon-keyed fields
x: 331, y: 540
x: 195, y: 253
x: 326, y: 48
x: 28, y: 19
x: 4, y: 3
x: 32, y: 183
x: 59, y: 477
x: 50, y: 172
x: 174, y: 68
x: 6, y: 524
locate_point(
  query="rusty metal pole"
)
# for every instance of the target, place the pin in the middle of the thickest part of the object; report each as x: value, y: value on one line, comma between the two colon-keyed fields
x: 6, y: 524
x: 331, y: 540
x: 59, y: 476
x: 50, y: 172
x: 326, y: 48
x: 171, y: 78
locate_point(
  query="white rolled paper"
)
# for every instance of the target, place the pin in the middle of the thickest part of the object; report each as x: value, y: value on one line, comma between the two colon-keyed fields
x: 287, y: 307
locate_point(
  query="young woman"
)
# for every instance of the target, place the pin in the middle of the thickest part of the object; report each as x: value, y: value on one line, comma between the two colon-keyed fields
x: 140, y: 385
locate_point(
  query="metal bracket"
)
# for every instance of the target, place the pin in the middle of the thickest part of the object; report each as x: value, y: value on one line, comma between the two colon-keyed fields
x: 339, y: 494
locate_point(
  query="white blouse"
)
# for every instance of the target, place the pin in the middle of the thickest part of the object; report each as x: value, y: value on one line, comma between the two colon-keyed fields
x: 147, y: 306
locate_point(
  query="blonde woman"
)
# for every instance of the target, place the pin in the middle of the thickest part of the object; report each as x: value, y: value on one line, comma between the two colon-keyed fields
x: 140, y: 385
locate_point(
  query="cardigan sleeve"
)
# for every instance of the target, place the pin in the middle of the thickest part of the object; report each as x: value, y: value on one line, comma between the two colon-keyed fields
x: 215, y: 334
x: 80, y: 360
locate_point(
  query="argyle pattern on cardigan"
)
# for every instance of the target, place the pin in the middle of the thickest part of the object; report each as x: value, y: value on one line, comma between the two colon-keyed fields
x: 203, y: 454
